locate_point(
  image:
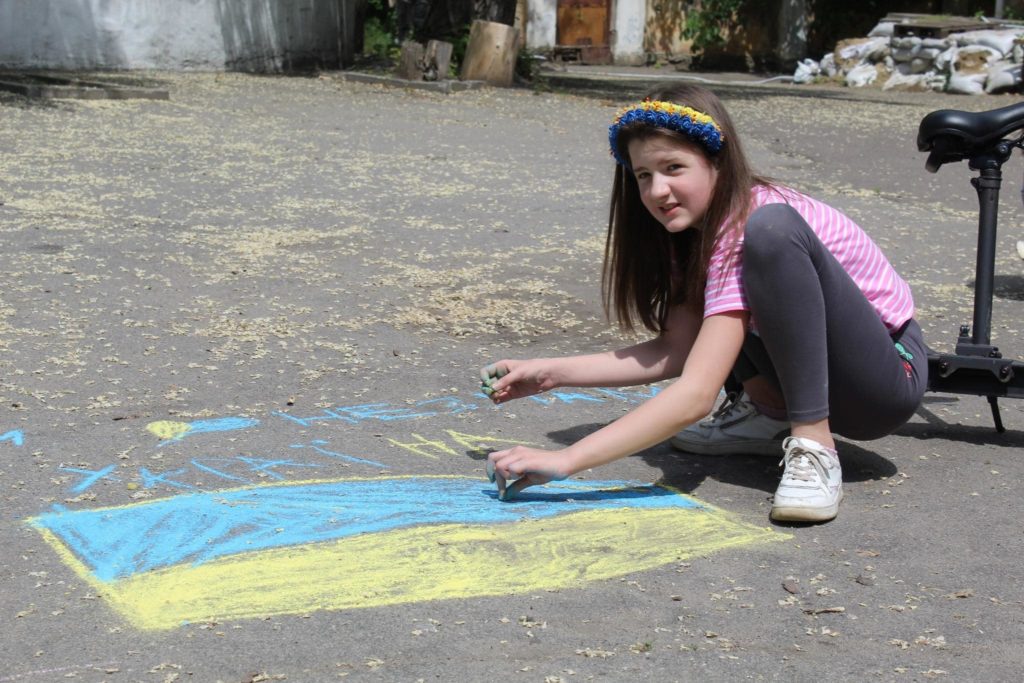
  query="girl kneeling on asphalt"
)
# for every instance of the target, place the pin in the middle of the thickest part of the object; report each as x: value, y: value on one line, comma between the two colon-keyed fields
x: 743, y: 281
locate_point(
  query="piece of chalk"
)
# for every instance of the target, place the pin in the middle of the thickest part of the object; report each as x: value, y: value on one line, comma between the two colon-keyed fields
x: 485, y: 374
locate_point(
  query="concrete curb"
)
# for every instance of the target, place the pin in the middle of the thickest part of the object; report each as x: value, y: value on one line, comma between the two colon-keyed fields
x: 446, y: 86
x: 634, y: 85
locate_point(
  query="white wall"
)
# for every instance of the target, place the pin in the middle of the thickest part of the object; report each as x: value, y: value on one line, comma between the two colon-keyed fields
x: 254, y: 35
x: 628, y: 18
x: 541, y: 24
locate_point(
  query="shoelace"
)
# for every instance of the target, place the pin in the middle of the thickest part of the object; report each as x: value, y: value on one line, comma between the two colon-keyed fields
x: 731, y: 404
x: 802, y: 465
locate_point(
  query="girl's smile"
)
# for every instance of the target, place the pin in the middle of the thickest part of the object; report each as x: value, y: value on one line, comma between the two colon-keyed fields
x: 676, y: 180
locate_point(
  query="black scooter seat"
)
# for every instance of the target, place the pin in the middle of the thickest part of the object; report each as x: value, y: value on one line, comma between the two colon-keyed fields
x: 953, y: 135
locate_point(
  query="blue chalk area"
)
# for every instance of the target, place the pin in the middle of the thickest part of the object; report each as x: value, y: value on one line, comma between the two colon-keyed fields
x: 15, y: 436
x: 198, y: 527
x: 90, y: 477
x: 222, y: 424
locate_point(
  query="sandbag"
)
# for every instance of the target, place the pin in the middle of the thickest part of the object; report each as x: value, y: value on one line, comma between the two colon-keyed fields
x: 966, y: 84
x: 849, y: 53
x: 1002, y: 77
x: 919, y: 65
x: 806, y: 71
x: 912, y: 82
x: 828, y: 65
x: 883, y: 29
x: 915, y: 82
x: 861, y: 75
x: 939, y: 44
x: 944, y: 59
x: 1000, y: 40
x: 906, y: 43
x: 975, y: 59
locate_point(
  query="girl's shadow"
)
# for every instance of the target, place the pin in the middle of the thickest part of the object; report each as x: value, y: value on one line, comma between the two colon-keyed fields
x: 687, y: 471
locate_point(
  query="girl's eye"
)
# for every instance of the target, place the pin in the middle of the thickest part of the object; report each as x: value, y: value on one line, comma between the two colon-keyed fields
x: 642, y: 175
x: 675, y: 167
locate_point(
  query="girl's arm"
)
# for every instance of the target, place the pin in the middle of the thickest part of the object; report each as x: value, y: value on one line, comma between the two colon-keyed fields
x: 650, y: 361
x: 685, y: 401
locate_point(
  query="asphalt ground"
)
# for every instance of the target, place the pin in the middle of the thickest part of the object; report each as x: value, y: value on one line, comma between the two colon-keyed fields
x: 242, y: 438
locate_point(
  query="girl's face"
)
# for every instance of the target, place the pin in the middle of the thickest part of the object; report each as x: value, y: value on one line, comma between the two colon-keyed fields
x: 676, y: 180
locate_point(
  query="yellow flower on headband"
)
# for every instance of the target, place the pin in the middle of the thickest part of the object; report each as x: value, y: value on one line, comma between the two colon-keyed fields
x: 697, y: 126
x: 670, y: 108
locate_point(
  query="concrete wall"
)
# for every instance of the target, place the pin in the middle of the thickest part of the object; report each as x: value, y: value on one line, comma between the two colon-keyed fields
x: 665, y: 21
x: 249, y: 35
x: 541, y: 24
x: 628, y: 31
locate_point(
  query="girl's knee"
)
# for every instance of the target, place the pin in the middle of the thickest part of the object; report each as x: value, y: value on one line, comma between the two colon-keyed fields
x: 771, y: 228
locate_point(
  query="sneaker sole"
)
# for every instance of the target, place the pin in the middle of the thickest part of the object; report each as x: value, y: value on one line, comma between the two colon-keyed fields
x: 806, y: 514
x: 766, y: 447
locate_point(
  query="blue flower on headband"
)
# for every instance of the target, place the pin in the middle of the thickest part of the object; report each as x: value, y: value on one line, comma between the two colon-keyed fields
x: 699, y: 127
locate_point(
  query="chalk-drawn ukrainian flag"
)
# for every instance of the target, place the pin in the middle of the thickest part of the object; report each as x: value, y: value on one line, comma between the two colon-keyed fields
x: 331, y: 545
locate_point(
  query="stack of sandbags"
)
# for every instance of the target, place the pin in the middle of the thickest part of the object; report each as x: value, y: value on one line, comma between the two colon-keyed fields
x: 969, y: 62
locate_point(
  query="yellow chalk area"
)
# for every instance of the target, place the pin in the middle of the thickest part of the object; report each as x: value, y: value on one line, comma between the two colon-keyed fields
x: 422, y: 564
x: 167, y: 429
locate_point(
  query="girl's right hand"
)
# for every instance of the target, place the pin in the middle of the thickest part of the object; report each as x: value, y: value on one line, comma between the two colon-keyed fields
x: 511, y: 379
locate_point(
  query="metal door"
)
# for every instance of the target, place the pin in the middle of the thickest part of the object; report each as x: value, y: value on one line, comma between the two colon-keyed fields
x: 583, y: 27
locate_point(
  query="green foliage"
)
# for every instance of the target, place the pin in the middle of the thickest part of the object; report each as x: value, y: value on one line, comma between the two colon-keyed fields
x: 460, y: 41
x: 378, y: 29
x: 527, y: 65
x: 377, y: 39
x: 705, y: 23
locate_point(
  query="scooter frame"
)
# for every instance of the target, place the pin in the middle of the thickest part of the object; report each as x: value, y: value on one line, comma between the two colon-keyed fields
x: 976, y: 367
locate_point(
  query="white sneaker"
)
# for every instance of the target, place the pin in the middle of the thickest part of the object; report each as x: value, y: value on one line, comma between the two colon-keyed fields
x: 735, y: 428
x: 812, y: 483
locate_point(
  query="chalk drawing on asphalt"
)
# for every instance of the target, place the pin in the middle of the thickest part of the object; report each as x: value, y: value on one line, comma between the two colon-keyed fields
x: 237, y: 536
x: 350, y: 543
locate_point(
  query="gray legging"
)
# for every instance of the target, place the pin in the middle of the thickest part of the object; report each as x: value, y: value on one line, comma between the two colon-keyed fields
x: 820, y: 340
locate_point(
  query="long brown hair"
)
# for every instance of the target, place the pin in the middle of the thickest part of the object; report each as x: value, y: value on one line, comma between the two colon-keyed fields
x: 648, y: 270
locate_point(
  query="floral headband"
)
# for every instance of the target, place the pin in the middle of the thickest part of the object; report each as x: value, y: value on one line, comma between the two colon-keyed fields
x: 700, y: 128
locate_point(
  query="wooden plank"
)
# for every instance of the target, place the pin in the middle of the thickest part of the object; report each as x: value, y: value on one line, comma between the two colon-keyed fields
x: 933, y: 26
x: 47, y: 86
x: 437, y: 60
x: 410, y: 61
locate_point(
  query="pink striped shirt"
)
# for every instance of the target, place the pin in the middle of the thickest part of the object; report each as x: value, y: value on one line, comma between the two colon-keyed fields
x: 859, y: 256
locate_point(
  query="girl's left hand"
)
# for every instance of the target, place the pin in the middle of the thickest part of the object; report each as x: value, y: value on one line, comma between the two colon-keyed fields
x: 524, y: 466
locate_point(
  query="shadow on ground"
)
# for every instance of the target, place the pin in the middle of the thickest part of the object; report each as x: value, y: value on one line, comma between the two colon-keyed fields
x: 686, y: 471
x: 935, y: 427
x: 1007, y: 287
